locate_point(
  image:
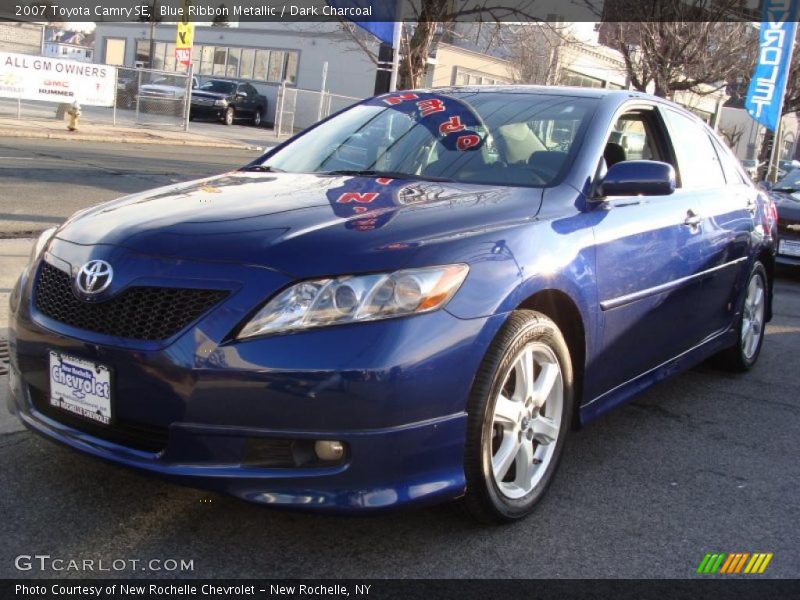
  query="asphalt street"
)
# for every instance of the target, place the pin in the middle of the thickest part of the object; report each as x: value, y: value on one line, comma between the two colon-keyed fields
x: 705, y: 462
x: 45, y: 181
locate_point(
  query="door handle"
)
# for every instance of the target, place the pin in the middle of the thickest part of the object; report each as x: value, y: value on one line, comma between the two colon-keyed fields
x: 692, y: 219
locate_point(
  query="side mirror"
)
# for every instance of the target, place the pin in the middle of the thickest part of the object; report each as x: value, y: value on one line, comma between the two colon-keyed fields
x: 638, y: 178
x: 241, y: 94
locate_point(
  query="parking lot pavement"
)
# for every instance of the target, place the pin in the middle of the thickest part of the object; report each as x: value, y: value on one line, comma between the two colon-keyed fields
x: 705, y: 462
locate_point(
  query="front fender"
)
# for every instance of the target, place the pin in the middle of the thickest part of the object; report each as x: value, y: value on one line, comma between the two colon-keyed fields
x: 555, y: 254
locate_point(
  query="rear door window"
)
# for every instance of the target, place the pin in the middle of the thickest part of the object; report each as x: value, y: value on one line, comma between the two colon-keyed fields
x: 698, y: 163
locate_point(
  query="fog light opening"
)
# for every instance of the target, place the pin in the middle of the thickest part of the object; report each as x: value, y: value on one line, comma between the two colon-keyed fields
x: 329, y: 450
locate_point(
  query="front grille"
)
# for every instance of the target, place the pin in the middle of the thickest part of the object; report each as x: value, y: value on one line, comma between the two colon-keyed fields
x: 148, y: 438
x: 139, y: 313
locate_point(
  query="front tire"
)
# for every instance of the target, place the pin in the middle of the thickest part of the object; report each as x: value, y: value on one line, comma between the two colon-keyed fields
x: 519, y: 413
x: 750, y: 325
x: 257, y: 118
x: 229, y: 116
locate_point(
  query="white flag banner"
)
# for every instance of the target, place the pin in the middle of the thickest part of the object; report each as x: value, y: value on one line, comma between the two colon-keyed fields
x: 56, y: 80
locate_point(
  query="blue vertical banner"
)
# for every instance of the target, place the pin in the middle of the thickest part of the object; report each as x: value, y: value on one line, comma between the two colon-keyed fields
x: 764, y: 100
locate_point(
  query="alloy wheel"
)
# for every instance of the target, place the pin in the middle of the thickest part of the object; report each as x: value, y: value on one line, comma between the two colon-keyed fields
x: 753, y: 317
x: 526, y: 420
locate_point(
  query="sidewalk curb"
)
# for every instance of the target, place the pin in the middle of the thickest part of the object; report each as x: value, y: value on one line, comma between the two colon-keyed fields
x: 88, y: 137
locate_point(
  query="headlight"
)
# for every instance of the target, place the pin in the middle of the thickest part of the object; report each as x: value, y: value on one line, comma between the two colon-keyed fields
x: 351, y: 299
x: 39, y: 247
x: 221, y: 102
x: 41, y: 244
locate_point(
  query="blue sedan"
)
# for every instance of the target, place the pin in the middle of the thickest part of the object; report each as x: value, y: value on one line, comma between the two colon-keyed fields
x: 416, y: 300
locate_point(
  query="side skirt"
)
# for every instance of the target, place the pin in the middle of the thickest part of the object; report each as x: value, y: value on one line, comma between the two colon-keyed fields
x: 625, y: 391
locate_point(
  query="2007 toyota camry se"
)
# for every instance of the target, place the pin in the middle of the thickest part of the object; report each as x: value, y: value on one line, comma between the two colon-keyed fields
x: 415, y: 300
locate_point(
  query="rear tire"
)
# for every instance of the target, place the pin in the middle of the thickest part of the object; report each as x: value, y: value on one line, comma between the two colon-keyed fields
x: 518, y: 417
x: 229, y: 116
x: 257, y: 118
x: 750, y: 324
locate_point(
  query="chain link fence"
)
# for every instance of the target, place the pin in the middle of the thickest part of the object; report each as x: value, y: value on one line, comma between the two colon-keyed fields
x: 144, y: 97
x: 158, y: 98
x: 297, y: 108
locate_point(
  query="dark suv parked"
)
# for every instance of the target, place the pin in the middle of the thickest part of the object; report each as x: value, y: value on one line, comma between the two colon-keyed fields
x: 228, y: 101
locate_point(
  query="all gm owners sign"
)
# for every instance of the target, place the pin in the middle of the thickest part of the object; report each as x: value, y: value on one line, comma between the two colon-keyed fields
x: 56, y: 80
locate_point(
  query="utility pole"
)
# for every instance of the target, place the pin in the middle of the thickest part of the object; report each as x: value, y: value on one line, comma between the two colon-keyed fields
x: 153, y: 34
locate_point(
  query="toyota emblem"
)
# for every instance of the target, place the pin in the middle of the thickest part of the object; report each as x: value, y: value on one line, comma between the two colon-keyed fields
x: 94, y: 277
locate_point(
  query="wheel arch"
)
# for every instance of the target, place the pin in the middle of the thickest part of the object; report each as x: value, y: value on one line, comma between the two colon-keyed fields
x: 564, y: 311
x: 767, y: 258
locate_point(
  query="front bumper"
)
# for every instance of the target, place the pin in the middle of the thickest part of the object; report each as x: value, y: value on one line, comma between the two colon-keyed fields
x: 393, y: 391
x: 207, y: 111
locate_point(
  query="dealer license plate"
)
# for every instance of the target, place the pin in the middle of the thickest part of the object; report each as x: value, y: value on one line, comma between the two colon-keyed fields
x: 789, y: 248
x: 80, y: 387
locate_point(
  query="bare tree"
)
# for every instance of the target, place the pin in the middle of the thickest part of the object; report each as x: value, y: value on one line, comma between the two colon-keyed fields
x: 682, y: 56
x: 534, y: 50
x: 426, y: 20
x: 363, y: 40
x: 732, y: 135
x: 679, y: 45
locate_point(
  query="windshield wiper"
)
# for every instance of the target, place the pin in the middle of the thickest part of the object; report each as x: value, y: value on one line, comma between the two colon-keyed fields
x: 262, y: 169
x: 387, y: 174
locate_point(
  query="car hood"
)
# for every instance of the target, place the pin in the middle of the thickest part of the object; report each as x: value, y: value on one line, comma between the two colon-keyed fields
x: 155, y: 87
x: 303, y: 224
x: 204, y: 94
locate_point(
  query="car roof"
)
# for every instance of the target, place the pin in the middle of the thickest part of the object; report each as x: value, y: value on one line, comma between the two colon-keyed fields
x: 617, y: 97
x: 563, y: 90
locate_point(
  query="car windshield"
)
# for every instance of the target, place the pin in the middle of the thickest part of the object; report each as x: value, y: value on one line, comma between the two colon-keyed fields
x: 505, y: 138
x: 791, y: 182
x: 221, y: 87
x: 167, y: 81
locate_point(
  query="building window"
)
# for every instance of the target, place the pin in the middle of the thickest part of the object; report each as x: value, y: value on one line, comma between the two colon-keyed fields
x: 234, y: 56
x: 262, y: 60
x: 169, y: 59
x: 464, y: 77
x: 275, y: 71
x: 220, y: 59
x: 160, y: 49
x: 290, y: 75
x: 115, y: 51
x: 207, y: 60
x: 197, y: 54
x: 579, y: 80
x: 246, y: 63
x: 274, y: 66
x: 142, y: 51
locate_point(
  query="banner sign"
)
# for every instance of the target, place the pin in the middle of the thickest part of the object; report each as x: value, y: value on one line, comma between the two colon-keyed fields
x: 56, y: 80
x: 776, y: 42
x: 183, y: 43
